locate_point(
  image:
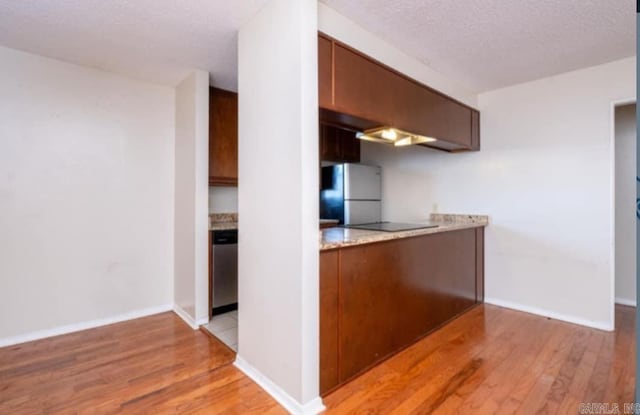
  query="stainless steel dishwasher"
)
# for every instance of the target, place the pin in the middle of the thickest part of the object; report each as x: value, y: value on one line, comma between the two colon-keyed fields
x: 225, y: 270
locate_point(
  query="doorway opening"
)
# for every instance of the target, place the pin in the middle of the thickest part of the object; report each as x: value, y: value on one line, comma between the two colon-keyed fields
x: 223, y: 265
x: 223, y: 283
x: 625, y: 188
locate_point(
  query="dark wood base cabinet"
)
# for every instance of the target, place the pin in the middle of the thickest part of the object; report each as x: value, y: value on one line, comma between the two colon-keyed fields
x: 377, y: 299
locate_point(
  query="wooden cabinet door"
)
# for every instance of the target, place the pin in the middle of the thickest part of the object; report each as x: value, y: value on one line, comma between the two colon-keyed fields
x: 328, y: 321
x: 223, y: 137
x: 458, y: 123
x: 475, y: 130
x: 361, y: 87
x: 338, y: 145
x: 359, y: 91
x: 422, y: 111
x: 330, y: 148
x: 393, y: 293
x: 350, y: 146
x: 419, y: 110
x: 325, y: 69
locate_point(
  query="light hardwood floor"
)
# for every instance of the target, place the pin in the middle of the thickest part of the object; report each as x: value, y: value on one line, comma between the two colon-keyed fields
x: 490, y: 360
x: 493, y: 360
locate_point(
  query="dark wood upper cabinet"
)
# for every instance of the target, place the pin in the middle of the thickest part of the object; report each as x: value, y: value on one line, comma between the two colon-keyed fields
x: 419, y: 110
x: 358, y: 87
x: 338, y: 145
x: 475, y: 130
x: 223, y: 138
x: 358, y: 92
x: 458, y: 124
x: 350, y: 146
x: 330, y: 149
x: 325, y: 65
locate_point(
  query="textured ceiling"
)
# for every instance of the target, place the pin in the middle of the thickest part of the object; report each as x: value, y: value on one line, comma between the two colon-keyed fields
x: 485, y: 44
x: 488, y: 44
x: 154, y: 40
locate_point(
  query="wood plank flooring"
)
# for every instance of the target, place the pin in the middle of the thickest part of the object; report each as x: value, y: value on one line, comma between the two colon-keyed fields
x: 155, y: 364
x: 497, y: 361
x: 488, y: 361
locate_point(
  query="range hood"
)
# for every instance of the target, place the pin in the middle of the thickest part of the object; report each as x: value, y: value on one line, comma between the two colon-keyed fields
x: 390, y: 135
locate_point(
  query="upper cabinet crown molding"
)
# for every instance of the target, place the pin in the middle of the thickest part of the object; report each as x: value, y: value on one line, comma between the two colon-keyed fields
x: 359, y: 92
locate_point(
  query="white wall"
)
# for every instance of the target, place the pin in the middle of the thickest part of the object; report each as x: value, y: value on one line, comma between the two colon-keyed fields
x: 86, y: 197
x: 278, y: 147
x: 191, y: 198
x: 625, y: 142
x: 339, y: 27
x: 223, y: 199
x: 544, y: 177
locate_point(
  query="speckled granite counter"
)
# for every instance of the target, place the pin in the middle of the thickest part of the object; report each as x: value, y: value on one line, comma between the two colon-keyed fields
x: 223, y: 226
x: 339, y: 237
x: 223, y: 221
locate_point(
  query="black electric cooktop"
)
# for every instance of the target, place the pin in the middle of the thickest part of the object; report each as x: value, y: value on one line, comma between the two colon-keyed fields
x: 391, y: 226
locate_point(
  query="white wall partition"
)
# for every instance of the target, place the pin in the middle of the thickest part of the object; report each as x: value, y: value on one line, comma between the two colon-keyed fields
x: 625, y: 213
x: 223, y: 199
x: 192, y: 199
x: 86, y: 197
x: 544, y: 176
x: 278, y: 202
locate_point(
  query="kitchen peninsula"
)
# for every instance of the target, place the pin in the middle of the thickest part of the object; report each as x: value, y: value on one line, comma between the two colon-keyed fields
x: 382, y: 291
x: 385, y: 285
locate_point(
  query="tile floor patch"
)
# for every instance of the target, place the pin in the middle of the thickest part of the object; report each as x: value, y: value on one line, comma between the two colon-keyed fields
x: 222, y: 322
x: 225, y: 328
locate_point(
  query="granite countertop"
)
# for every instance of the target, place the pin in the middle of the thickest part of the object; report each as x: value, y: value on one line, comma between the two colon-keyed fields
x: 223, y: 221
x: 339, y: 237
x: 223, y: 226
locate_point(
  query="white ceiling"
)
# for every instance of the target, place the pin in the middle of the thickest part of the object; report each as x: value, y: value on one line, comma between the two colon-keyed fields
x: 154, y: 40
x: 485, y: 44
x: 488, y: 44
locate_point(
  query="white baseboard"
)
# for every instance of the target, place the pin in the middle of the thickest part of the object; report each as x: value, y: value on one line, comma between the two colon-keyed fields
x: 194, y: 324
x: 315, y: 406
x: 623, y: 301
x: 185, y: 316
x: 550, y: 314
x: 70, y: 328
